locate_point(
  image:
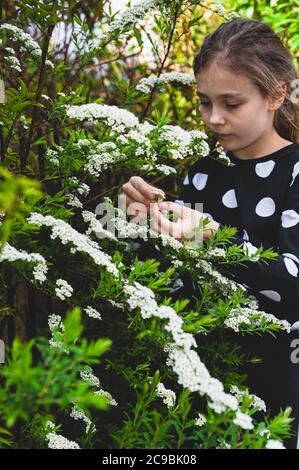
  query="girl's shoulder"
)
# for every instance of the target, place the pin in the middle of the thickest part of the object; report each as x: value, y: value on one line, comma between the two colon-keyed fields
x: 286, y: 158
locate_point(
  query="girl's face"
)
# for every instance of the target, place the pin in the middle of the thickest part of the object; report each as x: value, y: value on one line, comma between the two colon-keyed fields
x: 232, y: 105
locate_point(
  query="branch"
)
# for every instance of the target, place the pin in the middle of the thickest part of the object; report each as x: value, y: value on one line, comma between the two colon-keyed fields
x: 38, y: 92
x: 163, y: 63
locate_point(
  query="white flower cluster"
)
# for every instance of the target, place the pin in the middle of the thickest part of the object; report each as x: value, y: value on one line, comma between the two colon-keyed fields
x: 96, y: 226
x: 28, y: 44
x: 167, y: 395
x: 83, y: 189
x: 80, y: 242
x: 11, y: 254
x: 217, y: 280
x: 201, y: 420
x: 137, y: 139
x: 104, y: 393
x: 165, y: 169
x: 246, y: 316
x: 182, y: 143
x: 93, y: 313
x: 56, y: 441
x: 74, y: 201
x: 57, y: 328
x: 117, y: 118
x: 13, y: 63
x: 191, y: 371
x: 274, y: 444
x: 63, y: 289
x: 256, y: 402
x: 221, y: 156
x: 243, y: 420
x: 101, y: 157
x: 147, y: 84
x: 55, y: 323
x: 131, y: 230
x: 88, y: 376
x: 131, y: 15
x: 77, y: 413
x: 143, y: 144
x: 52, y: 156
x: 215, y: 253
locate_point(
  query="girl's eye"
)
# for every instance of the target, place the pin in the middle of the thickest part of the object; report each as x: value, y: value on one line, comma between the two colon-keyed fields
x: 206, y: 103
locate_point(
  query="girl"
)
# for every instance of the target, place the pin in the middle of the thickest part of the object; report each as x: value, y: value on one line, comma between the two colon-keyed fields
x: 245, y: 80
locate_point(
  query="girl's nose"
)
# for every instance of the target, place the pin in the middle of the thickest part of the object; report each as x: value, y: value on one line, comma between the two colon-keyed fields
x: 216, y: 118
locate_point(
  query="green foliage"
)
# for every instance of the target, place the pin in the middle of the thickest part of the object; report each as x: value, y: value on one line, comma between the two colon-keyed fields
x: 46, y: 165
x: 40, y: 380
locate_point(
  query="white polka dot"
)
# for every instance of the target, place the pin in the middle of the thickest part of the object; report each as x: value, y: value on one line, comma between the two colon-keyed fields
x: 265, y: 207
x: 290, y: 255
x: 264, y: 169
x: 250, y: 250
x: 179, y: 201
x: 295, y: 172
x: 200, y: 180
x: 289, y: 218
x: 229, y: 199
x: 186, y: 180
x: 245, y: 235
x: 272, y: 294
x: 291, y: 266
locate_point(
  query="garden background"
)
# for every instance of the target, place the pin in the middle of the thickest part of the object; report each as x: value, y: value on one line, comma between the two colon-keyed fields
x: 101, y: 345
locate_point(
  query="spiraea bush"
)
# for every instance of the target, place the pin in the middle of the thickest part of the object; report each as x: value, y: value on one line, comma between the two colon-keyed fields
x: 103, y: 344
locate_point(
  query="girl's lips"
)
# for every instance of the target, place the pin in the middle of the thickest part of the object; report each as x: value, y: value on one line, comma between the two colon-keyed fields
x: 223, y: 136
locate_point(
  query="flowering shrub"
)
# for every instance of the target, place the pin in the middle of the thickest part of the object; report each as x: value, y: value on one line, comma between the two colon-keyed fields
x: 83, y: 112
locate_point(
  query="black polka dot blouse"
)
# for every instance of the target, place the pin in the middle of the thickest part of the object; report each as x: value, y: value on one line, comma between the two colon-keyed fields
x: 259, y: 196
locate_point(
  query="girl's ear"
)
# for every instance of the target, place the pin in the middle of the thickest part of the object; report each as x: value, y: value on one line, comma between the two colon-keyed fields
x: 275, y: 103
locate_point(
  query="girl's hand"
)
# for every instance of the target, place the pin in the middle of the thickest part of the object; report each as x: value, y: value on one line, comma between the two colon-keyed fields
x: 187, y: 220
x: 137, y: 198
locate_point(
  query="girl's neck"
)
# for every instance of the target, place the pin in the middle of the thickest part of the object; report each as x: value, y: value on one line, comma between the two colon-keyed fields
x: 265, y: 145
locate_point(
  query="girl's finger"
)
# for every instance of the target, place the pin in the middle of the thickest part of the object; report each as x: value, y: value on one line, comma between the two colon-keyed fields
x: 124, y: 201
x: 161, y: 223
x: 154, y: 213
x: 135, y: 195
x: 171, y: 206
x: 138, y: 210
x: 145, y: 189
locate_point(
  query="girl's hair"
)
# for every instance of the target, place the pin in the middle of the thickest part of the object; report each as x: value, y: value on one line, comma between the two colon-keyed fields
x: 252, y: 48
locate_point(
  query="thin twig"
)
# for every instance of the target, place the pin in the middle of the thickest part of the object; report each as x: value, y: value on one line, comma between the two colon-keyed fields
x: 162, y: 65
x: 38, y: 92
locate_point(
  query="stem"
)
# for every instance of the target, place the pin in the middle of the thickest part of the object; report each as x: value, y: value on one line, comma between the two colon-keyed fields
x: 39, y: 90
x: 162, y: 65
